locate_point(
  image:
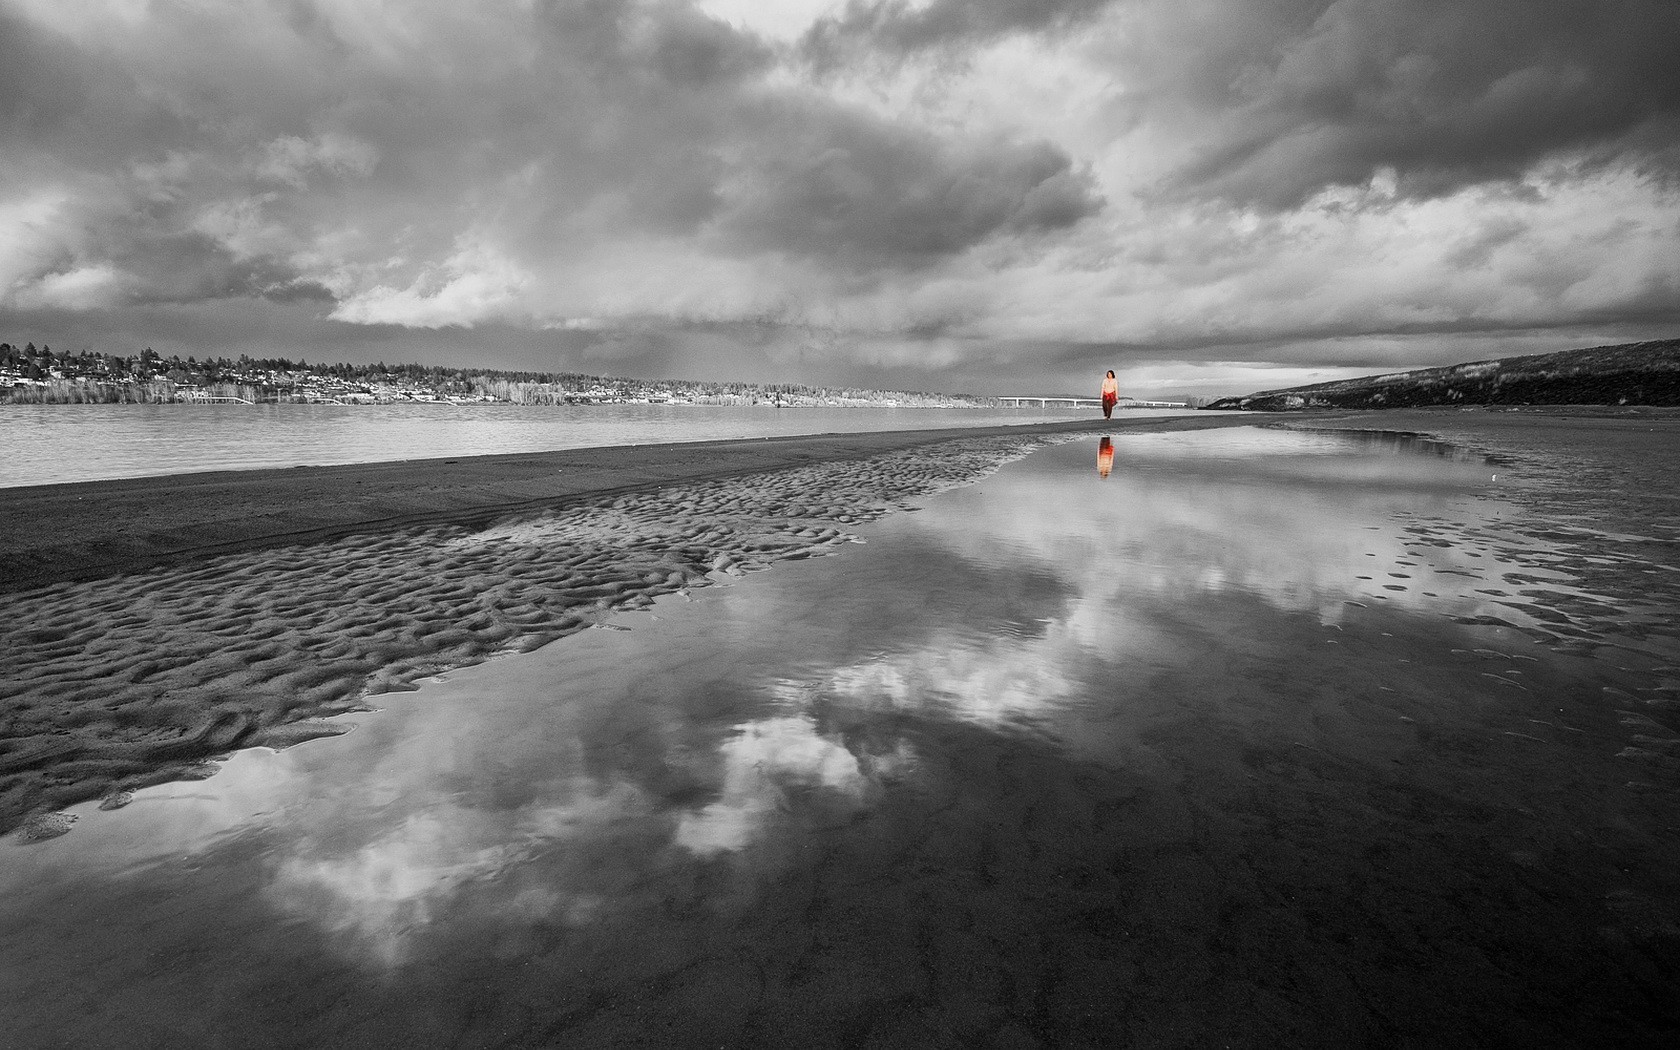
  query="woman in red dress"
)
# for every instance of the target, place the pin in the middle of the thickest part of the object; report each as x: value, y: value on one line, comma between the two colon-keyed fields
x: 1110, y: 394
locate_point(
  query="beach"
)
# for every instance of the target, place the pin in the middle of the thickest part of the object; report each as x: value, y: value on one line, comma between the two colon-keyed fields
x: 158, y: 622
x: 1332, y: 729
x: 49, y: 535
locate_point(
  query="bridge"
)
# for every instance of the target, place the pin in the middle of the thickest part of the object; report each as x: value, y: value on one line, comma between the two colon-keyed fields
x: 1020, y: 401
x: 199, y: 397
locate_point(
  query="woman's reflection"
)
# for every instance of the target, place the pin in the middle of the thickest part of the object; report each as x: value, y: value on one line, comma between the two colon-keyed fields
x: 1105, y: 457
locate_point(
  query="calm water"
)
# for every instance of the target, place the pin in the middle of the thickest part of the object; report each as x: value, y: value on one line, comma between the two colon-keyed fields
x: 1260, y: 739
x: 41, y: 444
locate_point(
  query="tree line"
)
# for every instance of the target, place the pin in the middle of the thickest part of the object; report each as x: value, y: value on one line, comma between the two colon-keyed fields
x: 45, y: 375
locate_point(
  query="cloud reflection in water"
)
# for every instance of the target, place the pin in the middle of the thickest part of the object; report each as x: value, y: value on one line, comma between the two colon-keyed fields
x: 1036, y: 605
x: 760, y: 762
x: 375, y: 897
x: 1048, y: 736
x: 1137, y: 580
x: 575, y: 785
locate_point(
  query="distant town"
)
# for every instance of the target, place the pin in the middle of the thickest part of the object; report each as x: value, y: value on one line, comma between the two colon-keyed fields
x: 42, y: 375
x: 31, y: 375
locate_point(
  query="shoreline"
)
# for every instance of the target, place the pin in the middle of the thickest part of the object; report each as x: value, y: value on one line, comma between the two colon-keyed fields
x: 68, y: 532
x: 73, y: 531
x: 155, y: 624
x: 65, y: 444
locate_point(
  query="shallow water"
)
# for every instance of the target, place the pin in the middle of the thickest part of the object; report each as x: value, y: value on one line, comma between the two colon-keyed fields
x: 1262, y: 738
x: 46, y: 444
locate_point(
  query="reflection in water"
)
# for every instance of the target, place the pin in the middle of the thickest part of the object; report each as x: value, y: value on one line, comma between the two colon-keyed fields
x: 374, y: 898
x: 763, y: 761
x: 1246, y: 714
x: 66, y: 443
x: 1105, y: 456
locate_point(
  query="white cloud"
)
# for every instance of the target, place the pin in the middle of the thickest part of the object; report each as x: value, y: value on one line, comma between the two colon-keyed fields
x: 243, y: 229
x: 82, y: 288
x: 477, y: 283
x: 782, y: 20
x: 291, y: 160
x: 29, y: 238
x: 761, y: 761
x: 377, y: 898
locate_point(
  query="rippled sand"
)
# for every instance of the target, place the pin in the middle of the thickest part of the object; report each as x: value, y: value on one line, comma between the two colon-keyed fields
x: 1595, y: 537
x: 1246, y: 738
x: 117, y: 683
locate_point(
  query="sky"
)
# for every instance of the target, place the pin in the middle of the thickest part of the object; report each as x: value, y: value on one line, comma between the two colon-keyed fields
x: 993, y: 196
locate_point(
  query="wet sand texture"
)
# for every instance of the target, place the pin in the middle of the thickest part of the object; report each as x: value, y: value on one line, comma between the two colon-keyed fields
x: 115, y: 683
x: 927, y: 794
x: 340, y: 583
x: 1603, y: 568
x: 53, y: 533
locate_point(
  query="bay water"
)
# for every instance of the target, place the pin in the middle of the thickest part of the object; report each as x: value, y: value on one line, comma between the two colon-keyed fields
x: 50, y: 444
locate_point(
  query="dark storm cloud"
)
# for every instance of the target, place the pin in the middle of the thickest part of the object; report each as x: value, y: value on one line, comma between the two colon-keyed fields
x: 706, y: 152
x: 691, y: 51
x: 186, y: 112
x: 902, y: 190
x: 213, y: 156
x: 894, y: 28
x: 862, y: 190
x: 39, y: 83
x: 190, y: 267
x: 1476, y: 249
x: 1445, y: 93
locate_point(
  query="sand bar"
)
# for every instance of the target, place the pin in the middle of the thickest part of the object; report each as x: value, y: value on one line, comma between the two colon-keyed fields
x: 54, y: 533
x: 155, y: 625
x: 1323, y: 729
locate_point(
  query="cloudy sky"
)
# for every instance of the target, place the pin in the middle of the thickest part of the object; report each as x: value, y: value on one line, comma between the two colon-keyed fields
x: 1210, y: 196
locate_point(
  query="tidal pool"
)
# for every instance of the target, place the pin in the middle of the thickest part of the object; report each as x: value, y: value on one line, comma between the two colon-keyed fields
x: 1247, y: 737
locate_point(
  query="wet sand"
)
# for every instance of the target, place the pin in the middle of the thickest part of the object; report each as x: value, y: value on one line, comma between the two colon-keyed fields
x: 155, y: 624
x: 53, y: 533
x: 1603, y: 508
x: 1265, y: 739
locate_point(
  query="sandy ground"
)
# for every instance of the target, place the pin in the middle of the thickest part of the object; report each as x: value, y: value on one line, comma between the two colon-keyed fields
x: 152, y: 625
x: 53, y: 533
x: 1613, y: 513
x: 1241, y: 749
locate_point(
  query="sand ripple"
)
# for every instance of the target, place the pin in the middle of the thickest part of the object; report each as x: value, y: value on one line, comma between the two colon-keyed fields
x: 1582, y: 555
x: 114, y: 684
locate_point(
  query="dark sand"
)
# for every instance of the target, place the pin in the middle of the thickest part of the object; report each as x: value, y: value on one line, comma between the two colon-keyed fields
x: 1381, y: 822
x: 53, y: 533
x: 152, y: 625
x: 1241, y: 748
x: 1609, y: 509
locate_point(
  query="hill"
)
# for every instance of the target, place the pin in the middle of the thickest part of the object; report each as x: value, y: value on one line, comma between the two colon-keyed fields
x: 1625, y: 374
